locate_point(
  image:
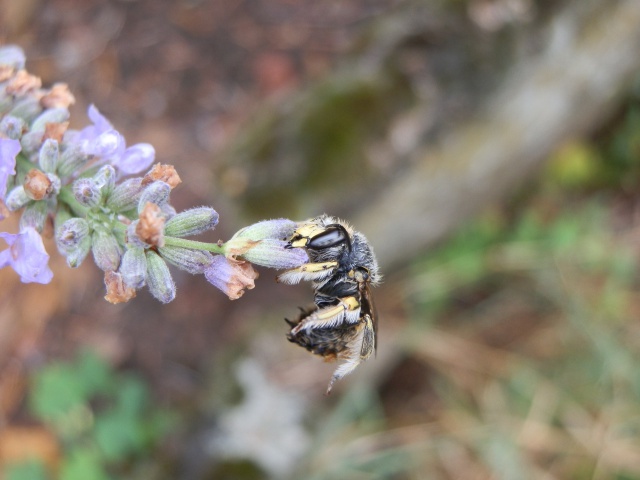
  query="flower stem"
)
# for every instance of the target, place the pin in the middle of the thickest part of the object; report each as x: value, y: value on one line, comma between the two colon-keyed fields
x: 193, y: 244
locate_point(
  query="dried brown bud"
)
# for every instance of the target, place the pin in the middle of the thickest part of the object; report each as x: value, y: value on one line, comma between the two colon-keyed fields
x: 36, y: 184
x: 6, y: 71
x: 165, y: 173
x: 23, y: 82
x: 117, y: 290
x: 59, y: 96
x: 151, y: 226
x: 55, y: 131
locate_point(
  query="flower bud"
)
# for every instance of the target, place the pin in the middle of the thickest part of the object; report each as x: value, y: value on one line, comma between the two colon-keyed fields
x: 274, y: 254
x: 51, y: 115
x: 106, y: 250
x: 12, y: 56
x: 75, y: 256
x: 31, y: 143
x: 26, y: 108
x: 74, y: 241
x: 125, y: 196
x: 71, y: 233
x: 13, y: 127
x: 105, y: 180
x: 134, y: 267
x: 159, y: 278
x: 71, y: 160
x: 87, y: 192
x: 280, y: 229
x: 192, y: 261
x: 157, y: 192
x: 191, y: 222
x: 48, y: 156
x: 34, y: 216
x: 16, y: 199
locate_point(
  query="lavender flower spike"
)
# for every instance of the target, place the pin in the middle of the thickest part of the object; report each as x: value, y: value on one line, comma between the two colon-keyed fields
x: 9, y: 149
x: 27, y: 256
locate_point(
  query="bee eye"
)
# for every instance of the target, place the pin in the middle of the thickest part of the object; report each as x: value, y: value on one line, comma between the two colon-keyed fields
x: 331, y: 237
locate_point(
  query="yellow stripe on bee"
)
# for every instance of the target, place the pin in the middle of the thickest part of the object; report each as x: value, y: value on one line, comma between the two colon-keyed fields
x: 317, y: 267
x: 348, y: 303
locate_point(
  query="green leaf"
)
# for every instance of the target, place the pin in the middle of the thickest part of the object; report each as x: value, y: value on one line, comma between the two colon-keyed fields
x: 119, y: 435
x: 57, y: 390
x: 30, y: 470
x: 94, y: 373
x: 82, y: 464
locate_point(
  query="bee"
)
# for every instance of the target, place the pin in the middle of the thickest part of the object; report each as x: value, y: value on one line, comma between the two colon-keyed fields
x: 342, y: 323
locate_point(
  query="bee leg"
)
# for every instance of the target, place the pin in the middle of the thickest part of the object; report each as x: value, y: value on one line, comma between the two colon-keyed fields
x: 308, y: 271
x: 355, y: 355
x: 347, y: 309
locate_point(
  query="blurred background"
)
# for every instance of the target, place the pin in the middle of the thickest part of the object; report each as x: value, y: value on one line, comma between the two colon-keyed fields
x: 490, y: 151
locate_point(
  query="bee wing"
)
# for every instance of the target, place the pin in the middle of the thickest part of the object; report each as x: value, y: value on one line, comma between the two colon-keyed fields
x: 368, y: 309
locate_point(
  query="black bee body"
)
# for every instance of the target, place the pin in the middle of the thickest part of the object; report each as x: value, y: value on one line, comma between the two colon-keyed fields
x: 342, y: 267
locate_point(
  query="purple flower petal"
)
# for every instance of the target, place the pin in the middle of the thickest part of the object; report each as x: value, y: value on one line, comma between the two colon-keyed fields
x: 108, y: 145
x: 233, y: 277
x: 100, y: 122
x: 27, y: 256
x: 136, y: 159
x: 9, y: 149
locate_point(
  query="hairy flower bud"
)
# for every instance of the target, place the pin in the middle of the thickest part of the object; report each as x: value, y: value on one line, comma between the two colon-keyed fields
x: 279, y: 229
x: 13, y: 127
x: 12, y: 56
x: 125, y: 196
x: 134, y: 267
x: 74, y: 240
x: 191, y: 222
x: 105, y: 180
x: 87, y: 192
x: 159, y: 280
x: 16, y: 199
x: 52, y: 115
x: 274, y: 254
x: 34, y: 216
x: 106, y: 250
x: 71, y: 233
x: 192, y: 261
x: 71, y: 160
x: 26, y: 108
x: 48, y: 156
x: 157, y: 192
